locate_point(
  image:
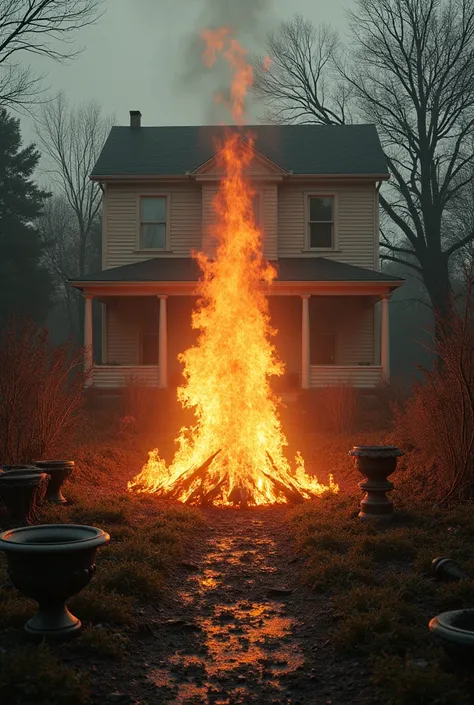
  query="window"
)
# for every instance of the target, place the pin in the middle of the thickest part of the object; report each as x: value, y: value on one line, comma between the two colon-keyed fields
x: 256, y: 208
x: 323, y: 349
x: 149, y: 349
x: 321, y: 222
x: 153, y: 222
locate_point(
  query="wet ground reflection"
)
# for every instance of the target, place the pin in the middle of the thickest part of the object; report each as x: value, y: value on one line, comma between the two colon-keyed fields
x: 242, y: 648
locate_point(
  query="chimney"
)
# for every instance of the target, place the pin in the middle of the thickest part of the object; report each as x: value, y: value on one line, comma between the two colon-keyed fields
x: 135, y: 119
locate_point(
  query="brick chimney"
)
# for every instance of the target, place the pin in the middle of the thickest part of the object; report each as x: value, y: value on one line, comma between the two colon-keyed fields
x: 135, y: 119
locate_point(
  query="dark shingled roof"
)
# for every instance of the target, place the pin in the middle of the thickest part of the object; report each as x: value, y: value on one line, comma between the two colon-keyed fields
x: 303, y: 149
x: 185, y: 269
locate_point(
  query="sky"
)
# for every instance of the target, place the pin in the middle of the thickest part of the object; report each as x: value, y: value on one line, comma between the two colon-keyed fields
x: 143, y: 55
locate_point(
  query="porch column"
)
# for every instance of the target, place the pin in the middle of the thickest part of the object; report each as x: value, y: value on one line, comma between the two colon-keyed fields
x: 163, y: 345
x: 385, y: 341
x: 88, y: 355
x: 305, y: 350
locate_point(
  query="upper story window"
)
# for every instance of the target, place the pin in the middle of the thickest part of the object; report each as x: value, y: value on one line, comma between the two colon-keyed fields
x: 256, y: 208
x: 321, y: 222
x: 153, y: 222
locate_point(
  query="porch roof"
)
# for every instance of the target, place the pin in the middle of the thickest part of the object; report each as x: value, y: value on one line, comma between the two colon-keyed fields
x: 186, y: 270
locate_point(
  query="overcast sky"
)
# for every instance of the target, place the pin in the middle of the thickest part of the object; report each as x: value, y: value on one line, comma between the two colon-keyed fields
x: 142, y: 55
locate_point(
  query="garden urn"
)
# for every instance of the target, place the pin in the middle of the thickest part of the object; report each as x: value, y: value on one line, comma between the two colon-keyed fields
x: 455, y: 632
x: 21, y: 491
x: 50, y: 563
x: 376, y: 463
x: 59, y: 471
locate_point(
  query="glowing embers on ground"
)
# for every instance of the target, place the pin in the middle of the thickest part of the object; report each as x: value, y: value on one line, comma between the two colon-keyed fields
x: 234, y: 454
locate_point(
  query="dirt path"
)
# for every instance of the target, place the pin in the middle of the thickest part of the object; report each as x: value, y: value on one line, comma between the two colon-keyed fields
x: 240, y: 627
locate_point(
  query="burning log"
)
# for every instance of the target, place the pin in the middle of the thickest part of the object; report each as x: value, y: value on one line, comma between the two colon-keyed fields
x: 289, y: 490
x: 181, y: 486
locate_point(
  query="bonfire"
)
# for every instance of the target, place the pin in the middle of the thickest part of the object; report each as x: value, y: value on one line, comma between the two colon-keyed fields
x: 234, y: 454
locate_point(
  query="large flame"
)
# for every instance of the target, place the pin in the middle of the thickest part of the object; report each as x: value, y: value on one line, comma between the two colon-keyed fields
x: 235, y: 452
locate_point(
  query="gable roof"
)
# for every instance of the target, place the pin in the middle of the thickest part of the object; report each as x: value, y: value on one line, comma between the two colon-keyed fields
x: 186, y: 269
x: 302, y: 149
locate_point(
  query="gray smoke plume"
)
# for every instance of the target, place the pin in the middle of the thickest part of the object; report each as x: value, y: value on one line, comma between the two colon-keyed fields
x: 249, y: 20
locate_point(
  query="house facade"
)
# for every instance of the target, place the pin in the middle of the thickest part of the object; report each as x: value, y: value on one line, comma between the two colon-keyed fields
x: 317, y: 205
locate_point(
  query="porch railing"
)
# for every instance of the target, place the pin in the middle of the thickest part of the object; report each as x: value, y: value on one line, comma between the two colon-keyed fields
x: 360, y: 376
x: 116, y: 376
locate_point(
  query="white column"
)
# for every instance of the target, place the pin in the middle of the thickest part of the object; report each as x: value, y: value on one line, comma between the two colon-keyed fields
x: 385, y: 340
x: 88, y: 356
x: 163, y: 345
x: 305, y: 350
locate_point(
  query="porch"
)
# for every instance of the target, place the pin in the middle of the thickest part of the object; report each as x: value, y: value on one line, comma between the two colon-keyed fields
x: 332, y: 318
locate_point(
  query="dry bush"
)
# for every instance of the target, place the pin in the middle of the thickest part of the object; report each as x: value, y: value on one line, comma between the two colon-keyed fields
x: 436, y: 424
x: 339, y: 402
x: 41, y: 392
x: 136, y: 400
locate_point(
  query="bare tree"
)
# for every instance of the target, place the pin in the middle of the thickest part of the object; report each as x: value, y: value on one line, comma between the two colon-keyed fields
x: 58, y: 229
x: 409, y: 68
x: 71, y: 140
x: 38, y: 28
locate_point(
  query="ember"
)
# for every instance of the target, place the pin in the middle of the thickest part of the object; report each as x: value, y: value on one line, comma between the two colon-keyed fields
x: 234, y: 453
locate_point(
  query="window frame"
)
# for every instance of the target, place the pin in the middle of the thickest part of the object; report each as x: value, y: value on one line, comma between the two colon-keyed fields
x: 141, y: 197
x: 335, y: 239
x: 258, y: 196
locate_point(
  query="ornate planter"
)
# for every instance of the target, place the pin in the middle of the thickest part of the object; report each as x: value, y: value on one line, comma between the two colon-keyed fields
x: 455, y: 631
x: 447, y: 570
x: 9, y: 468
x: 50, y: 563
x: 376, y: 463
x: 21, y: 492
x: 59, y: 471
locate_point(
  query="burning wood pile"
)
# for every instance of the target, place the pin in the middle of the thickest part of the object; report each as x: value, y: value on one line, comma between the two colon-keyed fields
x: 234, y: 453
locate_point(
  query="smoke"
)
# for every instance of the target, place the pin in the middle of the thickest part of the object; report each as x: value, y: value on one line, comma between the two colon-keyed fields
x: 249, y: 20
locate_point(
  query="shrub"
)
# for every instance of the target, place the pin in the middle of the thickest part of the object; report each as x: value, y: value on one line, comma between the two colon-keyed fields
x: 340, y: 404
x: 41, y: 392
x: 437, y: 421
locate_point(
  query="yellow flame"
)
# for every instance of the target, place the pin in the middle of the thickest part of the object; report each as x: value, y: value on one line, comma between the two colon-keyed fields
x: 227, y: 373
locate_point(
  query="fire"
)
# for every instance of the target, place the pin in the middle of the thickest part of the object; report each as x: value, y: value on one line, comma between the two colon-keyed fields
x: 234, y: 454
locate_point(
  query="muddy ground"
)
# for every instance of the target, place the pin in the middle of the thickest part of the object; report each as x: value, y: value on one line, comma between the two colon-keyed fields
x: 237, y: 627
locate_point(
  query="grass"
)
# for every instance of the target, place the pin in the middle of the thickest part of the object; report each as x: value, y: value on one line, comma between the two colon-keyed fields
x: 32, y: 675
x: 383, y: 597
x: 147, y: 539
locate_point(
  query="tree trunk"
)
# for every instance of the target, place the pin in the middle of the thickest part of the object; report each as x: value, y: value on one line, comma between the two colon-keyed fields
x: 438, y: 286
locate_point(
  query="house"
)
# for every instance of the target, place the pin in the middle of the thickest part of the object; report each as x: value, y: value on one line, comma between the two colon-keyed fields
x: 317, y: 204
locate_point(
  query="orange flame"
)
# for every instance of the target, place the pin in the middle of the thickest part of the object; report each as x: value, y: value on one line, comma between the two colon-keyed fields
x: 235, y: 452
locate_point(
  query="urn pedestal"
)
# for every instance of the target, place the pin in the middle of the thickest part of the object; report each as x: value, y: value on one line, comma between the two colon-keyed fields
x: 59, y: 471
x: 50, y: 563
x: 376, y: 463
x: 21, y: 492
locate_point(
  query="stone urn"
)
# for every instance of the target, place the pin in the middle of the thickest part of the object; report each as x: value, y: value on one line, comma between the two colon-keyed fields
x: 16, y: 468
x: 376, y: 463
x: 50, y: 563
x: 59, y: 471
x: 455, y: 632
x: 22, y: 491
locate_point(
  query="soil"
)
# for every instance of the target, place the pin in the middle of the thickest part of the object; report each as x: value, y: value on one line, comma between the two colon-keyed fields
x: 237, y: 627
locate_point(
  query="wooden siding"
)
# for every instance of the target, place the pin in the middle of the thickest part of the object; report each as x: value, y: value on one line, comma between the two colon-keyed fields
x: 283, y: 220
x: 355, y: 222
x: 268, y: 214
x: 121, y: 334
x: 351, y: 321
x: 117, y: 376
x: 361, y: 377
x: 122, y: 221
